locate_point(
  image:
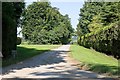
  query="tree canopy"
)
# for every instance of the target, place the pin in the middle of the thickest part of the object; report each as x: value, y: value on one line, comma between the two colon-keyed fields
x: 43, y: 24
x: 95, y: 15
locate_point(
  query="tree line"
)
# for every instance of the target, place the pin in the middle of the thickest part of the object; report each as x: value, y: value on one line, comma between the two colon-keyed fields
x: 40, y: 22
x: 99, y: 27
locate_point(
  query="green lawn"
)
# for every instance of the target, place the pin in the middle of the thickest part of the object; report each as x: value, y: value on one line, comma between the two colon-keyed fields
x: 27, y: 51
x: 94, y: 60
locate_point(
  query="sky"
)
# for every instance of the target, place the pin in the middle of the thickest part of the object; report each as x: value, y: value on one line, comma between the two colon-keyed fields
x: 70, y: 7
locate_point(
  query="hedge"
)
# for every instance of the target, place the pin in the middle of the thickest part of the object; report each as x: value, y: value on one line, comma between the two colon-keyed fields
x: 105, y: 40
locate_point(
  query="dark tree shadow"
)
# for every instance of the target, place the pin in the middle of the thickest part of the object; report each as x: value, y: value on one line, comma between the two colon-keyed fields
x: 38, y: 60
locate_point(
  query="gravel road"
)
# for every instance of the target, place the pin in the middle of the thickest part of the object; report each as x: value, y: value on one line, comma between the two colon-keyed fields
x: 53, y: 64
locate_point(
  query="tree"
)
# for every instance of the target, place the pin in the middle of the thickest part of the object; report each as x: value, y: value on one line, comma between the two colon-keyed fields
x: 89, y: 10
x: 43, y: 24
x: 10, y: 18
x: 95, y: 15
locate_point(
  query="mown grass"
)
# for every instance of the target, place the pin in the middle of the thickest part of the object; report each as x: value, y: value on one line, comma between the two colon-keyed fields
x: 27, y: 51
x: 95, y: 61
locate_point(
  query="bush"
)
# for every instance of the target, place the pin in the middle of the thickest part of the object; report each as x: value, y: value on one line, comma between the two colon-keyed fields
x: 105, y: 40
x: 19, y: 40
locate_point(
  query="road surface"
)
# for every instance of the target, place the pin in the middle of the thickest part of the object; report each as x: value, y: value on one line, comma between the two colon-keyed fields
x: 53, y: 64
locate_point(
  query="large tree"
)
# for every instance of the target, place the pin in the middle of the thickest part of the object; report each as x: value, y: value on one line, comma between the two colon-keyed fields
x: 89, y: 10
x: 43, y: 24
x: 11, y: 12
x: 95, y: 15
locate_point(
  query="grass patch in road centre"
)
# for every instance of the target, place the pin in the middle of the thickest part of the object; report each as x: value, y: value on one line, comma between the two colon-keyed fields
x: 95, y: 61
x: 27, y: 51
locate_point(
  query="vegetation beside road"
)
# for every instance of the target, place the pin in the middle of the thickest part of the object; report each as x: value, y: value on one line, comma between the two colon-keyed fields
x: 95, y: 61
x: 27, y: 51
x: 99, y: 27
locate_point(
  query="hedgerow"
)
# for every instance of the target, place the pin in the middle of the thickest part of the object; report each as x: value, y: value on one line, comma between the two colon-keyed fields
x: 105, y: 40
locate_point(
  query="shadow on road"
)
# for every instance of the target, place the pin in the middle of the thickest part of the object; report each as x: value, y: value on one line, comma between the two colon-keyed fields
x: 46, y: 58
x: 49, y: 58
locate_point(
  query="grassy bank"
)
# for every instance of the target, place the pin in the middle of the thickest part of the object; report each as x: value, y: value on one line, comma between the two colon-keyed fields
x: 95, y: 61
x: 27, y: 51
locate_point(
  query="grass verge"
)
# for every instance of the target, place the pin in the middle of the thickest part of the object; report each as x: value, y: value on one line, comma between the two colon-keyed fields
x: 95, y: 61
x: 27, y: 51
